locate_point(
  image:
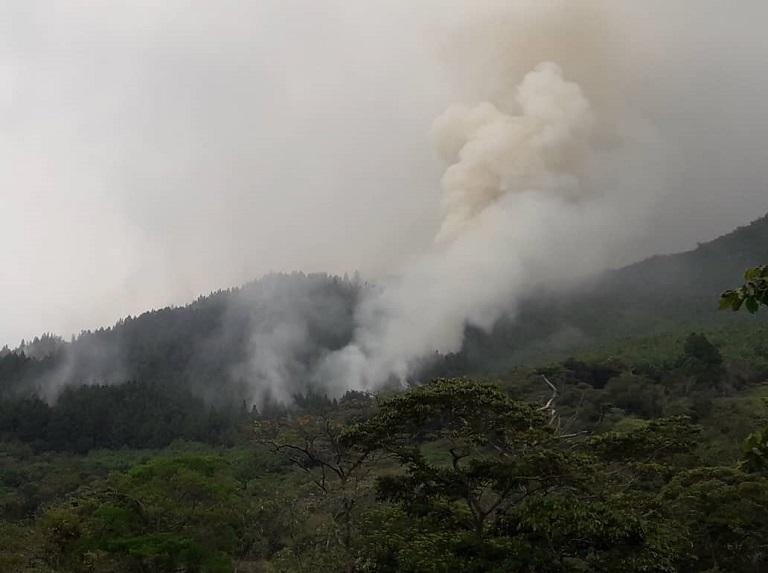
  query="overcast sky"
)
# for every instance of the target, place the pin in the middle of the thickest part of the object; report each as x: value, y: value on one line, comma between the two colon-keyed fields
x: 151, y: 151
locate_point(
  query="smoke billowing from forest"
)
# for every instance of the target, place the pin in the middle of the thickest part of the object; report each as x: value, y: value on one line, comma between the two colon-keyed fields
x: 524, y: 209
x: 515, y: 179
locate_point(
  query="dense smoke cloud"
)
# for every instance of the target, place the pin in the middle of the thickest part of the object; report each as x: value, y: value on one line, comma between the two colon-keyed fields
x: 520, y: 212
x: 155, y: 151
x: 292, y: 321
x: 491, y: 152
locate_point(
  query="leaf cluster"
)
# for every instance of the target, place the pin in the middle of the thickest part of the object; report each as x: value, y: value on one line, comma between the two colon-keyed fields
x: 751, y: 295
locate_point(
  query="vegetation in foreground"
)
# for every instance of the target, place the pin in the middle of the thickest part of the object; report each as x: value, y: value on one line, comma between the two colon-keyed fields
x: 642, y: 455
x: 648, y: 455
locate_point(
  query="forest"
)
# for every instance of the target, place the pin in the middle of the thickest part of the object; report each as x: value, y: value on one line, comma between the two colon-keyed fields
x: 392, y: 286
x: 642, y: 450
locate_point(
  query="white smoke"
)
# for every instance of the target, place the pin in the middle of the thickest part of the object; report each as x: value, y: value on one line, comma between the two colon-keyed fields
x: 492, y: 151
x: 518, y: 212
x: 291, y: 320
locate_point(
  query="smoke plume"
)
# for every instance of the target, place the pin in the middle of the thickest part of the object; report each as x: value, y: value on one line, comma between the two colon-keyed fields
x: 492, y: 151
x: 518, y: 213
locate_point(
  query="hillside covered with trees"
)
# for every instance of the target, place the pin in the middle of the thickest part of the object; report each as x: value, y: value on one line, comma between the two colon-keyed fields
x: 207, y: 347
x: 641, y: 446
x: 650, y: 456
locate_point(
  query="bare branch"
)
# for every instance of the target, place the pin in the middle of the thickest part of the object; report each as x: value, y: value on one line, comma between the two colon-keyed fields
x: 549, y: 407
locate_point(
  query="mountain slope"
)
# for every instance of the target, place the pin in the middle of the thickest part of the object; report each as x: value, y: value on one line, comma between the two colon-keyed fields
x: 220, y: 346
x: 661, y: 293
x: 262, y: 340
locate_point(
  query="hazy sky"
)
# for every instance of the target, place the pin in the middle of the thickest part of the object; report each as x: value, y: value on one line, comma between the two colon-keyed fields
x: 152, y: 151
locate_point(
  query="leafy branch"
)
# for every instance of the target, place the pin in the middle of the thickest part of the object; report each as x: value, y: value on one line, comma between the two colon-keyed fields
x: 751, y: 294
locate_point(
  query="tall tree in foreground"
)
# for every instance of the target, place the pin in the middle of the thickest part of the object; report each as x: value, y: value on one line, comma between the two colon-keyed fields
x: 487, y: 483
x: 338, y: 470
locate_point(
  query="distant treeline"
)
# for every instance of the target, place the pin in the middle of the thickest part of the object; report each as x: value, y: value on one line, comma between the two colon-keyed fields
x: 133, y: 414
x: 220, y: 346
x: 593, y: 393
x: 207, y: 347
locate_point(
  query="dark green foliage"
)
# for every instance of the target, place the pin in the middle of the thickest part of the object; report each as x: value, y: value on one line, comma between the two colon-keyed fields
x: 455, y: 475
x: 701, y: 362
x: 751, y: 295
x: 134, y: 414
x: 596, y: 375
x: 637, y: 395
x: 755, y: 452
x: 699, y: 349
x: 511, y: 493
x: 169, y: 514
x: 317, y: 442
x: 723, y: 511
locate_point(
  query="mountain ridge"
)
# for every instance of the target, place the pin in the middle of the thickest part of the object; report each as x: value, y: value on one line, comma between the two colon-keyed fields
x: 217, y: 345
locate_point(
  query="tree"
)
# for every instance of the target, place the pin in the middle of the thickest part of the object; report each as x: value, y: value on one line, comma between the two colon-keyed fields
x: 701, y: 363
x: 723, y: 512
x: 752, y: 294
x: 169, y: 514
x: 487, y: 483
x: 755, y: 452
x: 698, y: 348
x: 636, y: 395
x: 315, y: 441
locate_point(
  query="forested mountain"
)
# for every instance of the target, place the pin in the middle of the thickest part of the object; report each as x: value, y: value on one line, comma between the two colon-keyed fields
x: 135, y: 449
x: 222, y: 345
x: 662, y: 293
x: 211, y: 346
